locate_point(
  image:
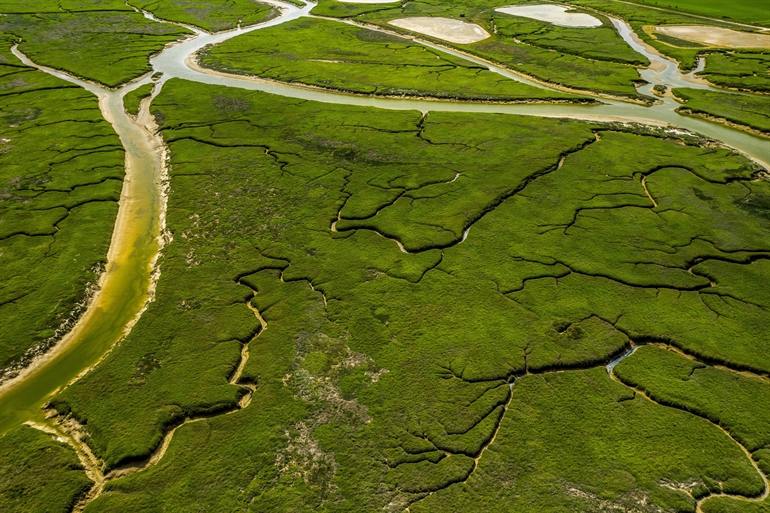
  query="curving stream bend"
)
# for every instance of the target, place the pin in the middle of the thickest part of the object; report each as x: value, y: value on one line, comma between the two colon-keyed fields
x: 128, y: 283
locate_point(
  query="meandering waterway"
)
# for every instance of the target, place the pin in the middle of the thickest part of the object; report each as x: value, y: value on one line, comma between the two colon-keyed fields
x: 128, y: 283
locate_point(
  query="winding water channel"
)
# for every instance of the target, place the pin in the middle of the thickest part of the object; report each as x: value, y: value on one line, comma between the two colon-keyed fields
x: 130, y: 277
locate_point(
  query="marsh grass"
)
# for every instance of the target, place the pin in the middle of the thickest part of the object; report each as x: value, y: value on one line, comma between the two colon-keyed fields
x: 337, y: 56
x: 210, y: 15
x: 39, y: 474
x: 594, y: 59
x: 133, y: 99
x: 748, y: 110
x: 61, y: 167
x: 383, y: 376
x: 110, y: 47
x: 749, y: 71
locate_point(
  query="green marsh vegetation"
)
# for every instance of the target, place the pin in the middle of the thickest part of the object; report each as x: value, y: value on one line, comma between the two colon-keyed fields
x: 110, y: 47
x: 133, y: 99
x: 39, y: 474
x: 643, y: 20
x: 748, y: 110
x: 61, y: 168
x: 471, y: 370
x: 210, y: 15
x: 735, y: 402
x: 747, y: 71
x: 744, y: 70
x: 594, y: 59
x: 744, y: 11
x: 343, y: 57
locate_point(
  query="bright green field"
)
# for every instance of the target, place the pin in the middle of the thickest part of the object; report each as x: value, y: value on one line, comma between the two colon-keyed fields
x: 751, y: 110
x: 333, y: 55
x: 383, y: 375
x: 596, y: 60
x: 366, y: 310
x: 745, y: 11
x: 210, y: 15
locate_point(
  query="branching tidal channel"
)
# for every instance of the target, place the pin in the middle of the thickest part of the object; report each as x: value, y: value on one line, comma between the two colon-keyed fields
x: 127, y: 285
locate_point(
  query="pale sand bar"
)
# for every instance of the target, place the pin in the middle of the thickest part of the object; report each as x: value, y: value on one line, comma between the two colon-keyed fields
x: 716, y: 36
x: 454, y: 31
x: 555, y: 14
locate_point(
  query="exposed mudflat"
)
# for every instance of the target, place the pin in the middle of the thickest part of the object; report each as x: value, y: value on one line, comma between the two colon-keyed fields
x: 555, y: 14
x: 454, y: 31
x: 716, y: 36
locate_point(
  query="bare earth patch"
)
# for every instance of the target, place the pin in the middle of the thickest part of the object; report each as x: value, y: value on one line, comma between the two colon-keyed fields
x: 454, y: 31
x: 555, y: 14
x: 716, y: 36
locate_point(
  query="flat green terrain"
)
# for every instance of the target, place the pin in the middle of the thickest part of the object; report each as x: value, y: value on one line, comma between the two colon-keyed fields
x: 449, y: 379
x: 61, y: 167
x: 745, y: 71
x: 641, y: 18
x: 748, y: 110
x: 360, y: 310
x: 210, y: 15
x: 595, y: 59
x: 731, y: 400
x: 39, y: 474
x: 109, y: 47
x: 744, y: 11
x: 352, y: 59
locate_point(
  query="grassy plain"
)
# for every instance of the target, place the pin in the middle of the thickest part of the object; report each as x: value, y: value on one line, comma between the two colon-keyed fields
x: 748, y: 71
x: 39, y: 474
x: 109, y: 47
x: 591, y: 59
x: 641, y: 18
x: 333, y: 55
x: 744, y: 11
x: 735, y: 402
x: 61, y: 167
x: 752, y: 111
x: 210, y: 15
x: 383, y: 376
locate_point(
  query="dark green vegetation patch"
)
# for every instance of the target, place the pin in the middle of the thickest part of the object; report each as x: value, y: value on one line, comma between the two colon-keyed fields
x: 467, y: 375
x: 133, y: 99
x: 751, y: 110
x: 338, y: 56
x: 39, y: 474
x: 749, y: 71
x: 737, y: 403
x: 61, y: 168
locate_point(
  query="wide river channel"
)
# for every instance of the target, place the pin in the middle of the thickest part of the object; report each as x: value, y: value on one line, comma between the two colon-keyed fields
x: 128, y: 282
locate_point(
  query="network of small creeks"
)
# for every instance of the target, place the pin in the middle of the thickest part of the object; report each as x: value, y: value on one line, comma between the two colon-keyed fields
x: 128, y: 283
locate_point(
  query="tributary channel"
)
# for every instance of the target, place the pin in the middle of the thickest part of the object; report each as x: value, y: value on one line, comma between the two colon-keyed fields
x: 127, y: 284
